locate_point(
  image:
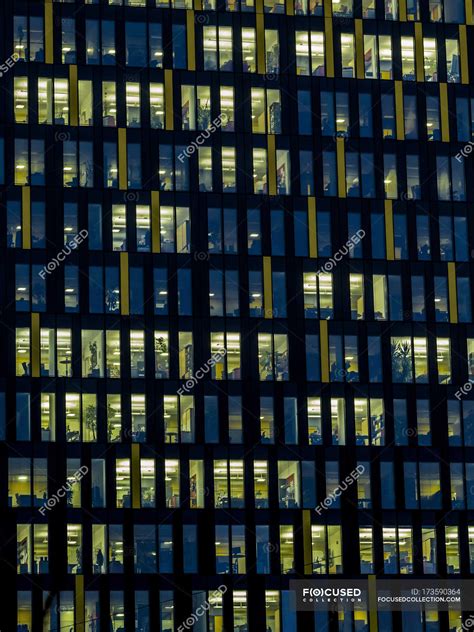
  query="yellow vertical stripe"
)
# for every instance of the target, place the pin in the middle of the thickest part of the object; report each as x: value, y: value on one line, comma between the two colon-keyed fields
x: 259, y: 6
x: 169, y: 122
x: 155, y: 222
x: 469, y: 15
x: 35, y: 345
x: 122, y: 158
x: 290, y: 7
x: 402, y: 10
x: 267, y: 287
x: 259, y: 21
x: 191, y: 40
x: 327, y: 8
x: 463, y: 52
x: 312, y: 234
x: 307, y: 544
x: 390, y: 248
x: 26, y: 218
x: 341, y: 167
x: 198, y: 5
x: 329, y: 46
x: 271, y: 151
x: 373, y: 619
x: 324, y: 343
x: 135, y: 473
x: 443, y: 102
x: 399, y: 110
x: 73, y: 96
x: 80, y: 615
x: 48, y: 32
x: 453, y: 294
x: 124, y: 284
x: 359, y: 46
x: 419, y: 57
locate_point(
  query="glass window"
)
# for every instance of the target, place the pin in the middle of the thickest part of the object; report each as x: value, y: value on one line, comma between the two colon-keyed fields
x: 135, y: 44
x: 371, y: 56
x: 110, y: 165
x: 289, y: 484
x: 22, y: 351
x: 430, y: 59
x: 68, y: 45
x: 342, y: 8
x: 155, y: 39
x: 179, y: 46
x: 348, y: 55
x: 329, y: 173
x: 157, y: 106
x: 108, y: 42
x: 249, y: 51
x: 260, y: 170
x: 160, y: 281
x: 452, y: 61
x: 132, y: 103
x: 74, y: 549
x: 433, y: 125
x: 20, y: 99
x: 408, y: 58
x: 390, y: 176
x: 92, y: 353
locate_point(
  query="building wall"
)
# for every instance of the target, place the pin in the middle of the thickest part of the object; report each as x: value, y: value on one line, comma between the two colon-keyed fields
x: 235, y: 281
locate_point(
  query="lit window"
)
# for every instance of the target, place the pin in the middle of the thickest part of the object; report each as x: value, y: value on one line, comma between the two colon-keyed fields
x: 408, y: 58
x: 109, y: 104
x: 74, y: 549
x: 342, y: 8
x: 72, y: 405
x: 157, y: 106
x: 430, y: 59
x: 348, y: 55
x: 92, y: 353
x: 20, y: 99
x: 61, y: 102
x: 249, y: 50
x: 132, y: 102
x: 172, y: 483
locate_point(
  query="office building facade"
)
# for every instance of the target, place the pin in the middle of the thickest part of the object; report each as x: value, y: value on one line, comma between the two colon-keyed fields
x: 236, y: 276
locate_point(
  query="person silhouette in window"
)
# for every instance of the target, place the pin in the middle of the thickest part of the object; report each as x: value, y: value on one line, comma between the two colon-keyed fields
x: 99, y: 560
